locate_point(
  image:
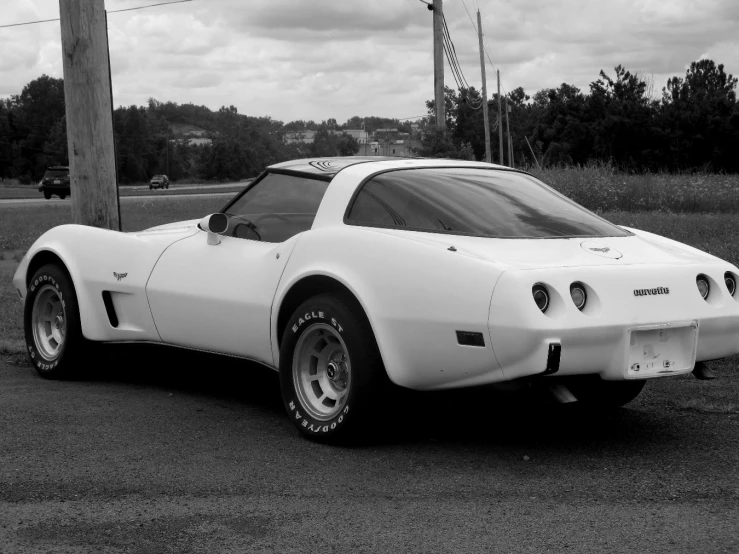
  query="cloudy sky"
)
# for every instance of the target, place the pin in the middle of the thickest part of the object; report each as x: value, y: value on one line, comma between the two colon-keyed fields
x: 315, y: 59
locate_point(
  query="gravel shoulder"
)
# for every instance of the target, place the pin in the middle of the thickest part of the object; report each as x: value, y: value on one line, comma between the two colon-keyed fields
x: 165, y: 452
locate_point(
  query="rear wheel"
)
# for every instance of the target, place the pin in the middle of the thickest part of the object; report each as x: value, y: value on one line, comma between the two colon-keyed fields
x: 331, y: 373
x: 62, y: 196
x: 47, y: 195
x: 597, y: 393
x: 52, y: 324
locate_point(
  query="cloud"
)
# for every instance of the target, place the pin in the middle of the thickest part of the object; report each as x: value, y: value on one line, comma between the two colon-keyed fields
x: 315, y: 59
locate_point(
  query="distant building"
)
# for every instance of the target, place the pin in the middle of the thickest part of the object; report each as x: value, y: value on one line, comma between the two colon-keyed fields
x: 359, y: 134
x: 307, y: 137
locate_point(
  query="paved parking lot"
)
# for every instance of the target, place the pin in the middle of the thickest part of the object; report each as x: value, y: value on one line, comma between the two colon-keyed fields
x: 161, y: 452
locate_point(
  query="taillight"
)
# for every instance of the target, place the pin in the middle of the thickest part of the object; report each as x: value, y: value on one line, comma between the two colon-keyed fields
x: 541, y: 296
x: 730, y: 281
x: 703, y: 285
x: 579, y: 295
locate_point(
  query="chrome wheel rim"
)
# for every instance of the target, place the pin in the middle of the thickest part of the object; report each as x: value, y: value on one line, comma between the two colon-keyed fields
x: 322, y: 371
x: 49, y: 323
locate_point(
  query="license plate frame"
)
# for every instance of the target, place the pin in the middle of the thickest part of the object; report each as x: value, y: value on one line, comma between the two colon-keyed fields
x: 661, y: 349
x: 57, y: 182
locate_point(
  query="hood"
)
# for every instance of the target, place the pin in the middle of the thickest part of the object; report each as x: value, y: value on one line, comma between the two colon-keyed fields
x: 639, y: 248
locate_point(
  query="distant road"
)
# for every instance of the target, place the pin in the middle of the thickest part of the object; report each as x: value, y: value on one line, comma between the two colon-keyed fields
x: 174, y: 191
x: 55, y: 201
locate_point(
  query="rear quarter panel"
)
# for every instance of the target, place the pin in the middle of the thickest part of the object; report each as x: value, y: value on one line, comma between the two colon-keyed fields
x: 416, y: 295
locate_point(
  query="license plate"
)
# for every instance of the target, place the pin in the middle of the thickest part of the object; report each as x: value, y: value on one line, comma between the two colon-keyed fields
x: 57, y: 182
x: 662, y: 349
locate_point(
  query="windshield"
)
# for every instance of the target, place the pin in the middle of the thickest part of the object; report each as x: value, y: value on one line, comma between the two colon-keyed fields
x: 478, y: 202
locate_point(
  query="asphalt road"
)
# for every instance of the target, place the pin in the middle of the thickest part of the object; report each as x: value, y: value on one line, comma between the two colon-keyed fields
x: 191, y: 453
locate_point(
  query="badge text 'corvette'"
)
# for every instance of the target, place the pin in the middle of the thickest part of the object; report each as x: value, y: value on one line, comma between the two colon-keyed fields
x: 645, y: 292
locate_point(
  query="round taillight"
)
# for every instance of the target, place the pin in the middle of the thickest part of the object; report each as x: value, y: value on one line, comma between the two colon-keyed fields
x: 730, y: 281
x: 703, y: 286
x: 541, y: 296
x: 578, y: 294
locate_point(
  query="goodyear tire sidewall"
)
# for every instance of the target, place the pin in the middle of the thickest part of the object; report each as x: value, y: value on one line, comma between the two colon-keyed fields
x: 309, y: 313
x: 50, y: 275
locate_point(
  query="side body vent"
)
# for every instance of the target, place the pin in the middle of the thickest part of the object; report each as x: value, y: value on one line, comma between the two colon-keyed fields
x: 110, y: 309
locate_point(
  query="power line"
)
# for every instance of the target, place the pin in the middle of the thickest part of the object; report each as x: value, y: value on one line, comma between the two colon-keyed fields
x: 456, y: 67
x: 111, y: 11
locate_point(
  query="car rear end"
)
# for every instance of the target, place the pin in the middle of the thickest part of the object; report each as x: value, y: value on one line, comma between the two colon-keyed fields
x: 55, y: 182
x: 636, y: 321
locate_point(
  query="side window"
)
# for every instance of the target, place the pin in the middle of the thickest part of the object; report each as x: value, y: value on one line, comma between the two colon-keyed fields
x: 276, y: 208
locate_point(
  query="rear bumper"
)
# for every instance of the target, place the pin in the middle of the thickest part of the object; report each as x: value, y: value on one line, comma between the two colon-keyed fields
x: 598, y: 339
x: 55, y: 189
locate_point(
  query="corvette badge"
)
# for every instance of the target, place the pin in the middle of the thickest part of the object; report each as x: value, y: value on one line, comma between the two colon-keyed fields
x: 119, y: 276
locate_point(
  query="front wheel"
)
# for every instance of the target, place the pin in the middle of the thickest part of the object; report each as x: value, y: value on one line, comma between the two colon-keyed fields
x: 51, y: 321
x: 331, y: 373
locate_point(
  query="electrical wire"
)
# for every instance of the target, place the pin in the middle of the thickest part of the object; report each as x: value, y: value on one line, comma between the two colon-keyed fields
x: 111, y: 11
x: 453, y: 60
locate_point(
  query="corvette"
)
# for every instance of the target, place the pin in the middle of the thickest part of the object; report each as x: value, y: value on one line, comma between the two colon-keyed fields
x: 348, y: 275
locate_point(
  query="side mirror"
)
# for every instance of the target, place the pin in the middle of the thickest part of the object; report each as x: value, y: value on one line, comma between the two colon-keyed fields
x: 214, y: 225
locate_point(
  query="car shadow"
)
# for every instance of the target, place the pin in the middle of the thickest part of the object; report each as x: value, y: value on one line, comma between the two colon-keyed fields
x: 482, y: 417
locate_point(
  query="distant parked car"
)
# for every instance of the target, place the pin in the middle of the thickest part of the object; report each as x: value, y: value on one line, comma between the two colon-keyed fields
x: 55, y: 181
x: 159, y: 182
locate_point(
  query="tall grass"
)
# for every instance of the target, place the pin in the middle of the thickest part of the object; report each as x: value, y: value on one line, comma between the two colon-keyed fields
x: 601, y: 188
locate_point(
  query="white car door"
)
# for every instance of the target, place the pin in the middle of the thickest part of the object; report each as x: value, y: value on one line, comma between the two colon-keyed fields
x: 219, y: 297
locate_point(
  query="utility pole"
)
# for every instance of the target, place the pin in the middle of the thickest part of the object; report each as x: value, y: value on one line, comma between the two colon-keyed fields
x: 488, y: 154
x: 439, y: 64
x: 508, y: 132
x: 89, y: 113
x: 500, y: 124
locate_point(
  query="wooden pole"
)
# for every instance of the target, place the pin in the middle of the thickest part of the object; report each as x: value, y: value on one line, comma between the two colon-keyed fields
x: 508, y: 132
x: 488, y: 154
x: 500, y: 124
x: 532, y: 152
x: 89, y: 113
x: 439, y: 65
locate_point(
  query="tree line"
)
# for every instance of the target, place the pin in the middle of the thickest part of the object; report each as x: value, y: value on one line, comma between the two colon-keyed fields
x: 693, y: 125
x: 33, y: 136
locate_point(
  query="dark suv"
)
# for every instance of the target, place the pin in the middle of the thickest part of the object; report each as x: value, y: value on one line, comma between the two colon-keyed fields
x: 55, y: 181
x: 159, y: 182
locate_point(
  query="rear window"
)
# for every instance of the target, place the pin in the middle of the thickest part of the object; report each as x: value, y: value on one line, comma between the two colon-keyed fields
x: 478, y: 202
x: 55, y: 173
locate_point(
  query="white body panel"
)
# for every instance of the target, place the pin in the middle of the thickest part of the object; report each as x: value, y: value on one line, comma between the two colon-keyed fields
x: 416, y: 291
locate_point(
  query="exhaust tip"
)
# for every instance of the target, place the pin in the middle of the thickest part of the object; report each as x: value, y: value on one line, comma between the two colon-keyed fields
x: 702, y: 373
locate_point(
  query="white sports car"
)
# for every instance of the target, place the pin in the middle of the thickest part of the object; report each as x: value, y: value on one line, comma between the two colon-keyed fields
x: 347, y: 274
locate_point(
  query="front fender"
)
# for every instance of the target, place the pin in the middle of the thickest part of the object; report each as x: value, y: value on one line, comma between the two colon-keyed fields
x: 100, y: 260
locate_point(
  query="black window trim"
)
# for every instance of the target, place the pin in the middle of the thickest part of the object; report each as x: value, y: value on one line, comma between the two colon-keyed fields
x: 350, y: 205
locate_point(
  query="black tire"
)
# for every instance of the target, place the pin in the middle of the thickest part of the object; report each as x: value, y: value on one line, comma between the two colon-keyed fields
x: 599, y: 394
x: 338, y: 319
x: 54, y: 282
x: 62, y: 196
x: 150, y: 187
x: 47, y: 195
